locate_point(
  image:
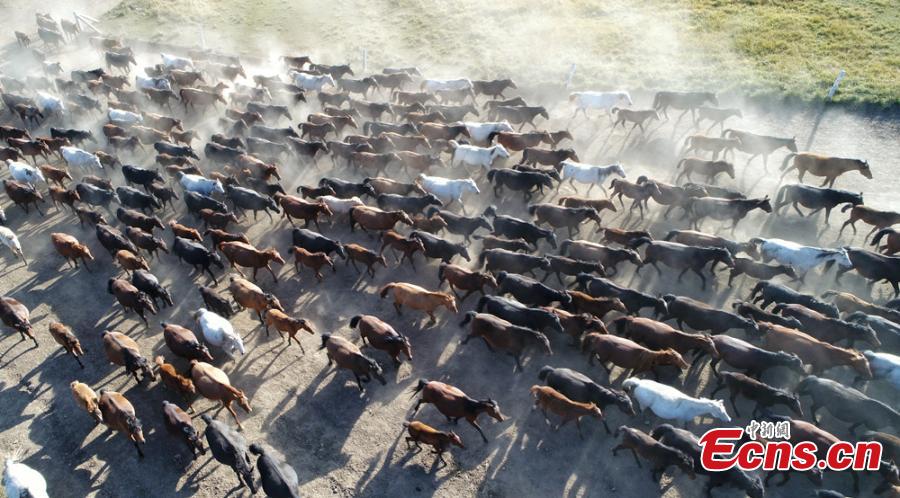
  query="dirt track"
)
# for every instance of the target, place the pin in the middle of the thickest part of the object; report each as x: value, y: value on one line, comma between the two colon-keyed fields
x: 346, y: 443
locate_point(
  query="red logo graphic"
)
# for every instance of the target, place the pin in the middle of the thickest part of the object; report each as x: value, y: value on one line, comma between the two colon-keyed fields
x: 719, y: 453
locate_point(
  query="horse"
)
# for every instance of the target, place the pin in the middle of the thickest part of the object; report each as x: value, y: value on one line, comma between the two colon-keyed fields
x: 829, y: 167
x: 724, y: 209
x: 598, y: 100
x: 801, y: 258
x: 814, y: 198
x: 689, y: 101
x: 711, y: 169
x: 763, y: 145
x: 590, y: 174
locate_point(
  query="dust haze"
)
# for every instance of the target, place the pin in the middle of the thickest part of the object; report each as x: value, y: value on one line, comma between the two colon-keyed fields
x: 350, y: 444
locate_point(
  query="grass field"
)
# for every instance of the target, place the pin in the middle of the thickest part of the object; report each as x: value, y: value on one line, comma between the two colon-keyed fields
x: 791, y: 48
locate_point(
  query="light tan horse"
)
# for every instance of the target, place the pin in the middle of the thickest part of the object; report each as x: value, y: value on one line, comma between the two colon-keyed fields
x: 825, y: 166
x: 418, y: 298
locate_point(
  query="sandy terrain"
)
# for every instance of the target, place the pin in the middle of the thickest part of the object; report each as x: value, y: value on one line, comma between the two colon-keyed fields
x: 345, y: 443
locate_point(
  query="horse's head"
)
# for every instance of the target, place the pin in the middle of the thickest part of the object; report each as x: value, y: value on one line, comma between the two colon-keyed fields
x: 499, y: 151
x: 863, y: 166
x: 791, y: 144
x: 724, y: 256
x: 842, y: 258
x: 763, y: 204
x: 729, y: 170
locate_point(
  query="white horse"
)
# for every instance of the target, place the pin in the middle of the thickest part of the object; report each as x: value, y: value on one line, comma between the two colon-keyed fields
x: 802, y: 258
x: 340, y: 206
x: 599, y: 100
x: 200, y: 184
x: 314, y: 82
x: 884, y: 366
x: 218, y: 331
x: 175, y: 62
x: 120, y: 116
x: 446, y: 189
x: 24, y: 173
x: 152, y: 83
x: 590, y: 174
x: 81, y: 158
x: 477, y: 156
x: 21, y: 481
x: 10, y: 240
x: 670, y: 403
x: 50, y: 104
x: 433, y: 85
x: 480, y: 133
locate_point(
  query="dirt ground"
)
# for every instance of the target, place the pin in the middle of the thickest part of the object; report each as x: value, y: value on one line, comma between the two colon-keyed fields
x: 342, y: 442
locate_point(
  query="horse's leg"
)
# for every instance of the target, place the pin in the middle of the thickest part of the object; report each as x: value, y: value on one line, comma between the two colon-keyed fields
x: 702, y: 277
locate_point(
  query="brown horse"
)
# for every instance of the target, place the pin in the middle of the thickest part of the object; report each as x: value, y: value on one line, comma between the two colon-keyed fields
x: 763, y: 145
x: 241, y: 254
x: 716, y: 145
x: 455, y: 404
x: 418, y: 298
x: 636, y: 116
x: 710, y: 169
x: 213, y: 384
x: 875, y: 217
x: 828, y: 167
x: 194, y: 98
x: 639, y: 193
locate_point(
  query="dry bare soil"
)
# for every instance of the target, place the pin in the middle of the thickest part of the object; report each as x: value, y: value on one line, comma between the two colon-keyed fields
x: 340, y: 441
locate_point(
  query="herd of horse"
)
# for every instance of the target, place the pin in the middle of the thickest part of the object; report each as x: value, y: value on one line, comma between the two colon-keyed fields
x: 399, y: 158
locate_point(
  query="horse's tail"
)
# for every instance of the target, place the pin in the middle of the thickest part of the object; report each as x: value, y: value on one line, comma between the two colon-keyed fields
x: 657, y: 100
x: 786, y: 159
x: 829, y: 293
x: 778, y: 308
x: 469, y: 316
x: 847, y: 206
x: 756, y: 289
x: 687, y: 140
x: 782, y: 192
x: 355, y: 321
x: 532, y: 209
x: 671, y: 235
x: 387, y: 288
x: 614, y: 110
x: 453, y: 144
x: 481, y: 303
x: 491, y: 174
x: 879, y: 234
x: 367, y: 127
x: 727, y: 132
x: 619, y: 324
x: 638, y: 242
x: 681, y: 162
x: 544, y: 372
x: 419, y: 386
